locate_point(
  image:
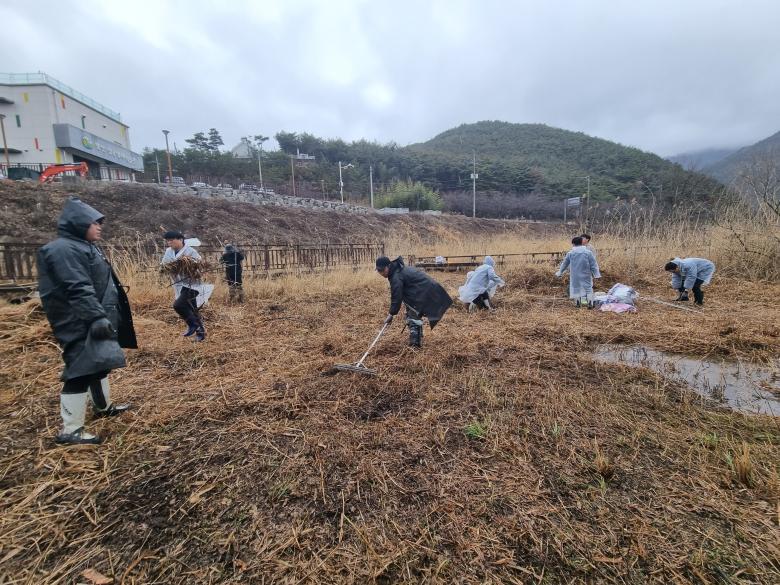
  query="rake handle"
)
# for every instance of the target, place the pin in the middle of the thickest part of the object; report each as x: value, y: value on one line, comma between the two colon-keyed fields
x: 373, y: 343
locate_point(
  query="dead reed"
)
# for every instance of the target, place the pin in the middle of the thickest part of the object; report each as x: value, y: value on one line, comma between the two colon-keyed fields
x: 470, y: 461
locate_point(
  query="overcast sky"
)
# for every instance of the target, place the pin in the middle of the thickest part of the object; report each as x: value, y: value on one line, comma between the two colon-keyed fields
x: 666, y: 76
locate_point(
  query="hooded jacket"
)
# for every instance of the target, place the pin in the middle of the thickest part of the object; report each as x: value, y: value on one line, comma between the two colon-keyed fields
x: 232, y: 259
x: 583, y: 268
x: 418, y: 290
x: 483, y: 279
x: 691, y: 270
x: 78, y: 286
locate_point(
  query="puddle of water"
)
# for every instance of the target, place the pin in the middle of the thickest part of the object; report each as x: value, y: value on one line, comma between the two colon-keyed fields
x: 742, y: 387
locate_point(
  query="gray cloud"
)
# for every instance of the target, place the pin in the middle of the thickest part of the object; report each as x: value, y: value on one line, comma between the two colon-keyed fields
x: 663, y: 75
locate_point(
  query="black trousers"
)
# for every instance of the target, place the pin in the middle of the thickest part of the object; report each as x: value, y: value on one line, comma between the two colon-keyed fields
x: 698, y: 294
x: 83, y: 383
x: 186, y: 305
x: 480, y: 300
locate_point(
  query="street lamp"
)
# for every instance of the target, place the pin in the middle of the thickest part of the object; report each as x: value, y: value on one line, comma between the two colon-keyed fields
x: 260, y: 139
x: 168, y: 153
x: 341, y: 183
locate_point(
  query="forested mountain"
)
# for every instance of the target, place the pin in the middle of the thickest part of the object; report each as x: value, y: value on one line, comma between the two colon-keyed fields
x: 534, y: 157
x: 699, y: 159
x: 522, y: 168
x: 764, y: 152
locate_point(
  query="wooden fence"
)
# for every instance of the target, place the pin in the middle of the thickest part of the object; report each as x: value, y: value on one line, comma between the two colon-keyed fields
x: 17, y: 259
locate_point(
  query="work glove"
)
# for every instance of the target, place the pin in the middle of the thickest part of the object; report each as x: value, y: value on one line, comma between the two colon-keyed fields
x: 101, y: 329
x: 388, y: 320
x: 683, y: 296
x: 557, y: 275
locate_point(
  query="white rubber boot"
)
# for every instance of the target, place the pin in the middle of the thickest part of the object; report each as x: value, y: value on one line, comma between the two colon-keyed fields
x: 73, y: 408
x: 101, y: 400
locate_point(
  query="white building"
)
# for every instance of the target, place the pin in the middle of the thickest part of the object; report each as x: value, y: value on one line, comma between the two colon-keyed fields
x: 47, y: 122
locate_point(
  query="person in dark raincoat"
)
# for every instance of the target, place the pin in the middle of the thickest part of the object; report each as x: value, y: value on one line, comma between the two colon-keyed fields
x: 89, y: 314
x: 419, y: 293
x: 234, y: 273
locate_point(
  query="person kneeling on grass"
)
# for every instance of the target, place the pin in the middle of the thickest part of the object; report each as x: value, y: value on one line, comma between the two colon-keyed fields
x: 419, y: 293
x: 690, y: 274
x: 583, y: 268
x: 90, y: 317
x: 480, y: 286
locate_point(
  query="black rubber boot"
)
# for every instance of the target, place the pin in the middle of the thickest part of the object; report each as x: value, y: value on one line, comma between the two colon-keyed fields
x: 415, y: 335
x: 698, y: 296
x: 192, y: 326
x: 200, y: 331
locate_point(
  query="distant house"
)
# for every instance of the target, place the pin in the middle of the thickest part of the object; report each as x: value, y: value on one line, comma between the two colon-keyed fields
x: 243, y: 150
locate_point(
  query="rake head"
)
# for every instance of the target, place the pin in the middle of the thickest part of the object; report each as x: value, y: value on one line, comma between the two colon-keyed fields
x: 357, y: 369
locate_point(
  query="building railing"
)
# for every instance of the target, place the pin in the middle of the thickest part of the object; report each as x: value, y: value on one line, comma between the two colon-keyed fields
x: 18, y: 259
x: 44, y: 79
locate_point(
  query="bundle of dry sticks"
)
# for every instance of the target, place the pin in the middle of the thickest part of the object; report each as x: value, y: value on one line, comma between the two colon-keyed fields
x: 186, y: 267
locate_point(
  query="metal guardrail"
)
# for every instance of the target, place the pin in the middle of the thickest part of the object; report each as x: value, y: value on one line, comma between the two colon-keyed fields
x: 455, y: 263
x: 17, y: 259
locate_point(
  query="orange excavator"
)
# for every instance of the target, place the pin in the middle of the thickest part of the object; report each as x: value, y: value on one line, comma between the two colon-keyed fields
x: 50, y: 172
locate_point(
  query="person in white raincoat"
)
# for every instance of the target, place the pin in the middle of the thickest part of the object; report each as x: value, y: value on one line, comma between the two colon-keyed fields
x: 690, y: 274
x: 583, y: 268
x: 480, y: 286
x: 190, y: 293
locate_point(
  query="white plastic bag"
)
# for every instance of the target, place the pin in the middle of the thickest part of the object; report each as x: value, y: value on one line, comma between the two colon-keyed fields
x: 622, y: 293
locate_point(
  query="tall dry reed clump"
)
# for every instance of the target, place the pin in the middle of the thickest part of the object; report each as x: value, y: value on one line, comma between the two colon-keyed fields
x: 742, y: 239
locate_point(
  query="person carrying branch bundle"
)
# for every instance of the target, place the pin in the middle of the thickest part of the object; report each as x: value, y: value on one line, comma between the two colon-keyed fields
x: 90, y: 317
x: 480, y: 286
x: 419, y: 293
x: 232, y: 259
x: 182, y: 262
x: 583, y: 268
x: 690, y: 274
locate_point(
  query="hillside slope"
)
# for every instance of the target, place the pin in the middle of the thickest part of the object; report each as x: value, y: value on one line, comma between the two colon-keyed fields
x: 699, y: 159
x: 729, y: 168
x: 135, y: 212
x: 525, y: 157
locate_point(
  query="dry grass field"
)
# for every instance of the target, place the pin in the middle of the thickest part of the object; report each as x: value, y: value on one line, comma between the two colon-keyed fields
x: 502, y: 452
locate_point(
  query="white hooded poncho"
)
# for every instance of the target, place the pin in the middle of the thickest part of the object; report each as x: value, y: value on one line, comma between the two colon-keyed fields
x: 583, y: 268
x: 483, y: 279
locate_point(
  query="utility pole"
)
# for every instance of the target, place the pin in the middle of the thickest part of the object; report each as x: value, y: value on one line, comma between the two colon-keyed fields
x: 587, y: 203
x: 371, y: 183
x: 260, y: 167
x: 5, y: 145
x: 168, y: 152
x: 474, y: 187
x: 157, y: 160
x: 292, y: 168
